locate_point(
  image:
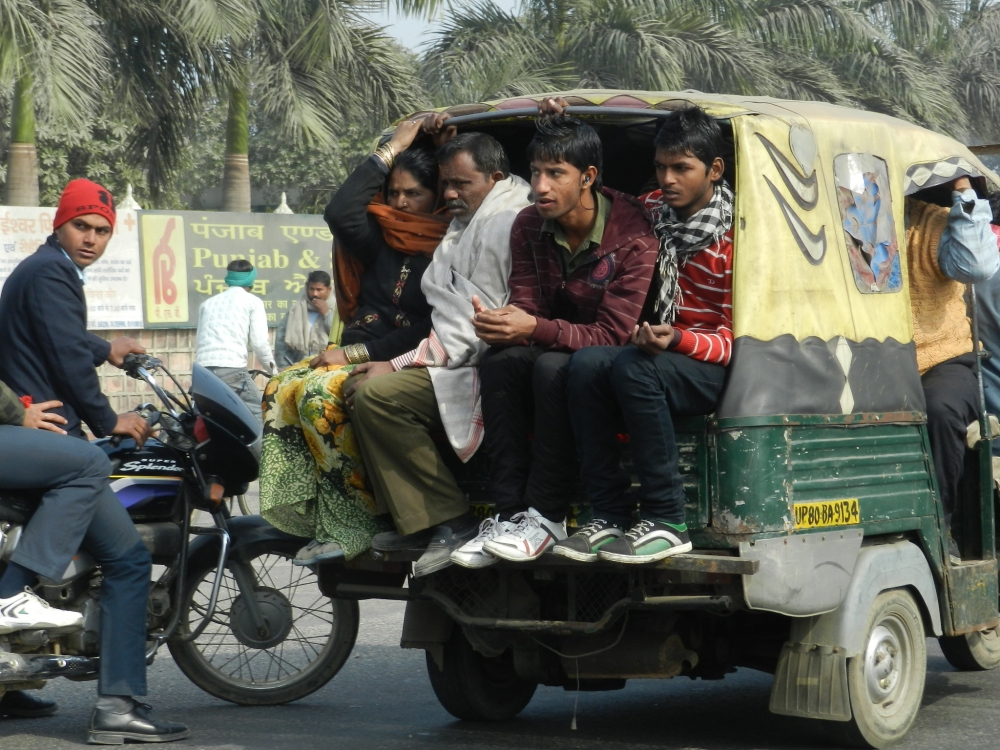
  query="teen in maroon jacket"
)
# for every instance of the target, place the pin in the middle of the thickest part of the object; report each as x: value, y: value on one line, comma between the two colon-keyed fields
x: 676, y: 366
x: 582, y: 260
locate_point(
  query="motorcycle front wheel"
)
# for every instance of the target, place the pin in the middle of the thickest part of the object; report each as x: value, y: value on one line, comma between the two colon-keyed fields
x: 307, y: 639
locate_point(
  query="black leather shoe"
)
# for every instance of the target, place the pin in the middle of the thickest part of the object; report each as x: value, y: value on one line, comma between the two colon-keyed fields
x: 393, y: 541
x: 18, y: 704
x: 137, y: 725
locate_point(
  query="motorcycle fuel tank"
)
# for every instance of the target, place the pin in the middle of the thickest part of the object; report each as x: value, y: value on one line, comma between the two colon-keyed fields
x: 147, y: 480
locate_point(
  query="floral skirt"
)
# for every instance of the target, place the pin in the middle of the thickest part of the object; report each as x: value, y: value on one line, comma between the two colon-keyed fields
x: 312, y: 478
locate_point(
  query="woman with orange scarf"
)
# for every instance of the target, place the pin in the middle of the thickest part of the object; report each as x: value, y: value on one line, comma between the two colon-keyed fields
x: 312, y: 478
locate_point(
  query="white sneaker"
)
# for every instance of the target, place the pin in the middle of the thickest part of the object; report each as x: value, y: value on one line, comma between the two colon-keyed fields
x: 28, y: 611
x: 532, y: 534
x: 471, y: 554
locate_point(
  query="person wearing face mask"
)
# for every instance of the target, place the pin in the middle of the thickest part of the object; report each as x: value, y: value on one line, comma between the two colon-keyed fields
x: 305, y: 331
x: 384, y: 218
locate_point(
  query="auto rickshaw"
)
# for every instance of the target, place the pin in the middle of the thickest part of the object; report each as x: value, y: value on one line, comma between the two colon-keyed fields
x: 821, y: 551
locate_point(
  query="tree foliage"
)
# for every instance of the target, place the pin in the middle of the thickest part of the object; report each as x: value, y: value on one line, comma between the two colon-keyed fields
x: 935, y: 62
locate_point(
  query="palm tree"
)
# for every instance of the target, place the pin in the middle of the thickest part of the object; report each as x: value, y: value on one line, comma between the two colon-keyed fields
x: 164, y: 65
x: 55, y: 57
x: 484, y: 52
x: 935, y: 62
x: 314, y: 65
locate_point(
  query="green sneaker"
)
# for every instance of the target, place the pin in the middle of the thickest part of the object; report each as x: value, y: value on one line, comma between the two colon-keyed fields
x: 647, y: 541
x: 585, y: 543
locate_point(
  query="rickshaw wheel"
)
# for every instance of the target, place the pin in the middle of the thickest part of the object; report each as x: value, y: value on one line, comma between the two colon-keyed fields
x: 474, y: 687
x: 972, y: 652
x: 886, y: 681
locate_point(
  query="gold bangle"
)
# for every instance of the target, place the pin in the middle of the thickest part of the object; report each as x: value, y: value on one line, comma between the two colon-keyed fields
x: 387, y: 154
x: 356, y: 354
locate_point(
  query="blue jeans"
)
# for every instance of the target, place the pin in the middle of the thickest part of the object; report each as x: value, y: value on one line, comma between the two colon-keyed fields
x: 611, y: 387
x: 79, y: 510
x: 523, y: 391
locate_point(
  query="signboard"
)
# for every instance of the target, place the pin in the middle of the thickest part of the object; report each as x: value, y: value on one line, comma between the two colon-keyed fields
x: 185, y: 254
x: 114, y: 298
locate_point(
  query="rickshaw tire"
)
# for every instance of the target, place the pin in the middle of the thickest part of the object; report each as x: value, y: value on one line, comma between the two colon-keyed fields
x: 972, y: 652
x: 895, y: 629
x: 473, y: 687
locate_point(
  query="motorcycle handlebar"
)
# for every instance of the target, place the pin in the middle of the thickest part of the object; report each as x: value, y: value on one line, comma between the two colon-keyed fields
x: 151, y: 414
x: 134, y: 362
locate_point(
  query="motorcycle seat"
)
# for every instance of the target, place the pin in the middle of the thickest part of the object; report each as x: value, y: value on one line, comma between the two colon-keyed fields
x: 17, y: 506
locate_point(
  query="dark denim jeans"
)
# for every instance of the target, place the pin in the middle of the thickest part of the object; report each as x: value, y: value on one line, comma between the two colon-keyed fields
x: 952, y: 395
x: 612, y: 387
x: 81, y: 510
x: 523, y: 391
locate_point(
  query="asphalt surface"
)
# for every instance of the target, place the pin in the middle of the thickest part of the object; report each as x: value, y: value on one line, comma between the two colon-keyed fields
x: 383, y: 699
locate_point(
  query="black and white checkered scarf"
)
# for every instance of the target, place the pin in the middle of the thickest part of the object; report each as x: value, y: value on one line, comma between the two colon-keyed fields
x: 679, y: 240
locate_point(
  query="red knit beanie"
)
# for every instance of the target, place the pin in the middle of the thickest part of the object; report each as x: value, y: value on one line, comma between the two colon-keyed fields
x: 81, y: 197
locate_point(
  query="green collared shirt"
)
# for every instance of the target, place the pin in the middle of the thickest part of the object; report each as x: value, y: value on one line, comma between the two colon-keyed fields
x: 11, y: 409
x: 568, y: 258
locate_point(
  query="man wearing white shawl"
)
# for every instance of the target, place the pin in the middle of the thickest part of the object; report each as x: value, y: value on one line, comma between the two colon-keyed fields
x: 397, y: 405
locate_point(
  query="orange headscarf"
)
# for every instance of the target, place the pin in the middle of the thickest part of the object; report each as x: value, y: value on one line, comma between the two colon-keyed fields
x: 413, y: 234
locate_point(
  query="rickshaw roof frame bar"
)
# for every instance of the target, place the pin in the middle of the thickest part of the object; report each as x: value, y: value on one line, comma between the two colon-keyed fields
x: 526, y: 112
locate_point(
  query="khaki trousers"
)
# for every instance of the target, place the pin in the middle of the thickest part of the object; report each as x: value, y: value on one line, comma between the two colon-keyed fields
x: 394, y: 416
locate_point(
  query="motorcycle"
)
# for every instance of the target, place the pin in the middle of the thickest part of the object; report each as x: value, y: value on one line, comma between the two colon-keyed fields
x: 239, y: 619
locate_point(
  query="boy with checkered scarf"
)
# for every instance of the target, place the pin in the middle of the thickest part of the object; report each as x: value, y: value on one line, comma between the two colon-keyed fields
x: 675, y: 364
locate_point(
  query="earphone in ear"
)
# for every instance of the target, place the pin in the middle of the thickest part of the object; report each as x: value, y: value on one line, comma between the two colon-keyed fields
x: 586, y: 180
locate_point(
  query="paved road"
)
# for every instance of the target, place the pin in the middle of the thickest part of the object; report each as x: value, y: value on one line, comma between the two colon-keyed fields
x: 382, y: 699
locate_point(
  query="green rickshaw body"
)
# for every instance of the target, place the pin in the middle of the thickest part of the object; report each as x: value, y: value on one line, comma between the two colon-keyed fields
x: 811, y: 494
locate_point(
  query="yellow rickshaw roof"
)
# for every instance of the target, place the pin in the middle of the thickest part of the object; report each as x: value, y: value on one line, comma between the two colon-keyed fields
x: 820, y: 277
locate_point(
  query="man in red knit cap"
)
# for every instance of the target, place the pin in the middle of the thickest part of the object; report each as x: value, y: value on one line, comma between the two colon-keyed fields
x: 48, y: 355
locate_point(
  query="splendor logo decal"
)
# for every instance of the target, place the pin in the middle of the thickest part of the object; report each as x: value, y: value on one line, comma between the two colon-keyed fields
x: 152, y: 464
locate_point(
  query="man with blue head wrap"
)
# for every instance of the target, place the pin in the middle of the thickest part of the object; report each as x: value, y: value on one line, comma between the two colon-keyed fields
x: 226, y: 322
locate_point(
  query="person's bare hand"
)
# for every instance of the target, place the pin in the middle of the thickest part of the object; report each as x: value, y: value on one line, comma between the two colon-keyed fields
x: 321, y: 305
x: 120, y: 347
x: 505, y: 325
x: 406, y: 132
x: 330, y: 358
x: 360, y: 374
x: 653, y: 339
x: 552, y: 105
x: 37, y: 417
x: 478, y: 306
x: 961, y: 184
x: 132, y: 425
x: 437, y: 127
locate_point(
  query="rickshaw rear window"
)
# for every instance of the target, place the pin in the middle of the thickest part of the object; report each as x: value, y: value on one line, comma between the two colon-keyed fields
x: 869, y: 226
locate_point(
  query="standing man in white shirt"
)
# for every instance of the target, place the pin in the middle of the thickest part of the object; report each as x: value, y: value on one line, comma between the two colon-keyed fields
x: 225, y: 323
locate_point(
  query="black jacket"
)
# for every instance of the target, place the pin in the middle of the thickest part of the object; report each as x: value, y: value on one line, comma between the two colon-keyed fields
x: 45, y: 349
x: 393, y: 315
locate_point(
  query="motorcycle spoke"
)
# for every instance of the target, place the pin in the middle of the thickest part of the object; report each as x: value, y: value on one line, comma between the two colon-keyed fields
x: 313, y: 624
x: 302, y: 639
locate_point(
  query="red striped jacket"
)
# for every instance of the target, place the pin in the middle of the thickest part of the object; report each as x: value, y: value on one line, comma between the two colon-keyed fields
x: 599, y: 302
x: 705, y: 314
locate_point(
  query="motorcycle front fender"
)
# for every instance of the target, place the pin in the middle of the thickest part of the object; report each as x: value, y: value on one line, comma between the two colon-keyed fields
x: 244, y: 531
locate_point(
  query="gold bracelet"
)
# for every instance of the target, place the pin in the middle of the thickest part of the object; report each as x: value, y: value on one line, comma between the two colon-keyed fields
x: 356, y: 354
x: 387, y: 154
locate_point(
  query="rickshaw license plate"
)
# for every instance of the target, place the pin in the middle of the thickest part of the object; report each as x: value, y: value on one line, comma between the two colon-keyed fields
x: 827, y: 513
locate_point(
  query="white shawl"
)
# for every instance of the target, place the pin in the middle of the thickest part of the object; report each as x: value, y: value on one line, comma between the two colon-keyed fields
x: 472, y: 259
